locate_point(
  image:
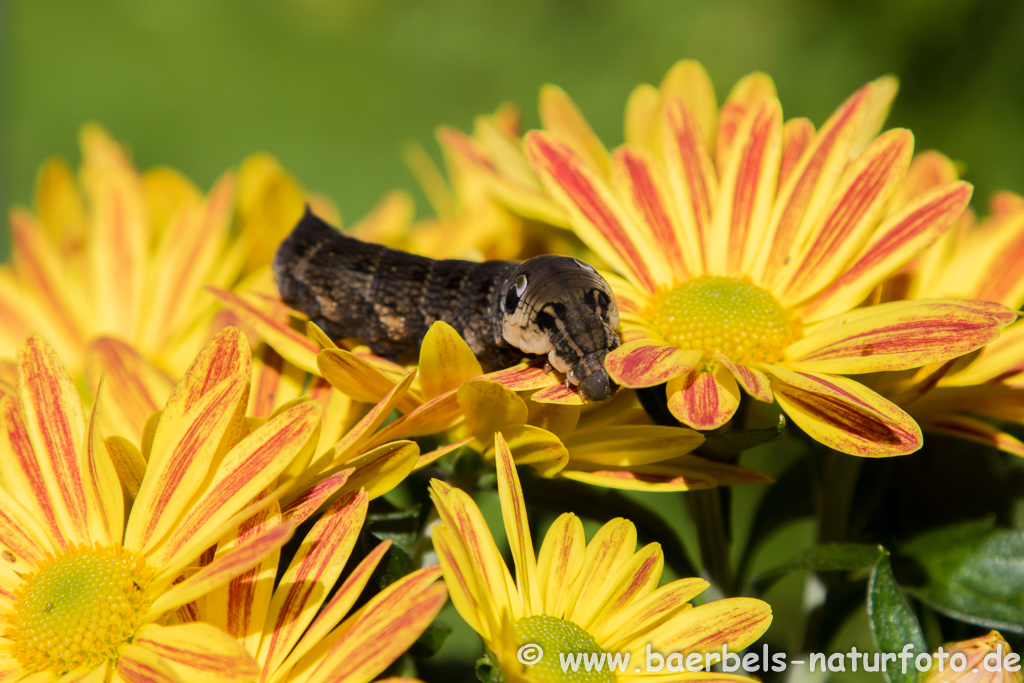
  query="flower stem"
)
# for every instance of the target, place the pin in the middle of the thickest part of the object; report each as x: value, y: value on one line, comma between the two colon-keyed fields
x: 840, y: 473
x: 708, y: 509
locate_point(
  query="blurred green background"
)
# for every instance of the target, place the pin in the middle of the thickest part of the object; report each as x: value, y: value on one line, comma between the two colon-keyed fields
x: 334, y: 88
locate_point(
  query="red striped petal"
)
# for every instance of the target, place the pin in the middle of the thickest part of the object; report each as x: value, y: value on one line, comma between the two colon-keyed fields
x: 973, y: 429
x: 560, y: 117
x: 797, y: 136
x: 893, y: 245
x: 693, y: 180
x: 639, y: 364
x: 54, y: 422
x: 745, y: 96
x: 754, y: 382
x: 895, y: 338
x: 311, y: 575
x: 198, y: 653
x: 641, y: 181
x: 594, y: 212
x: 844, y: 414
x: 252, y: 465
x: 703, y: 400
x: 748, y: 186
x: 858, y: 203
x: 808, y: 186
x: 134, y: 388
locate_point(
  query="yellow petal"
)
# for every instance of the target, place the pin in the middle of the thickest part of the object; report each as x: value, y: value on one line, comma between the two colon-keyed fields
x: 844, y: 414
x: 611, y: 546
x: 54, y: 422
x: 927, y: 331
x: 103, y: 489
x: 744, y: 97
x: 385, y: 628
x: 747, y: 193
x: 248, y: 468
x: 560, y: 562
x: 560, y: 117
x: 624, y: 446
x: 489, y: 407
x: 857, y: 204
x: 642, y: 364
x: 536, y: 447
x: 595, y: 213
x: 383, y: 468
x: 639, y: 618
x: 311, y: 575
x: 733, y: 622
x: 446, y: 363
x: 689, y: 81
x: 517, y: 526
x: 805, y: 192
x: 134, y: 388
x: 180, y: 461
x: 198, y: 652
x: 360, y: 379
x: 479, y: 563
x: 895, y: 243
x: 224, y: 568
x: 703, y: 400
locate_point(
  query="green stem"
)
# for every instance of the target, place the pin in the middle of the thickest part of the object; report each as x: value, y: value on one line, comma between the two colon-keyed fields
x: 707, y: 507
x: 840, y: 473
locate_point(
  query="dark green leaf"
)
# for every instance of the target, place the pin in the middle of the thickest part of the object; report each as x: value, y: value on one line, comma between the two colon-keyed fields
x: 827, y: 558
x: 396, y: 564
x: 487, y: 671
x: 427, y: 645
x: 893, y: 623
x: 728, y: 444
x: 401, y: 527
x: 973, y: 572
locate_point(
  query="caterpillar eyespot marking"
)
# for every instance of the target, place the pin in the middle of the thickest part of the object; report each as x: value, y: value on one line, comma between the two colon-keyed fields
x: 557, y: 306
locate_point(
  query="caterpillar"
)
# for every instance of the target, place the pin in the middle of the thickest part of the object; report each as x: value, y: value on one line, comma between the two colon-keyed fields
x: 505, y: 310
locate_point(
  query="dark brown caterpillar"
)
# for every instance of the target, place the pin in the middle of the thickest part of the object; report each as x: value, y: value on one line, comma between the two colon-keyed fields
x: 554, y: 305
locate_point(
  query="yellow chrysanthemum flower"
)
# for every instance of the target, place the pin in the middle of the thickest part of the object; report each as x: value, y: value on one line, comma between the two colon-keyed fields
x: 987, y: 659
x: 747, y: 243
x: 88, y: 594
x: 294, y: 632
x: 112, y: 268
x: 575, y: 597
x: 975, y: 261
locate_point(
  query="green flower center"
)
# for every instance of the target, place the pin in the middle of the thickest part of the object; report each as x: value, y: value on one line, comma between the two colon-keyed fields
x: 723, y: 314
x: 77, y: 609
x: 555, y: 636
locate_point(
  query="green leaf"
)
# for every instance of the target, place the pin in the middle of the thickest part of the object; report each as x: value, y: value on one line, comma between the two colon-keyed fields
x: 395, y: 564
x: 829, y: 557
x: 727, y: 444
x: 401, y: 527
x: 487, y: 671
x: 893, y: 623
x: 973, y: 572
x: 430, y: 642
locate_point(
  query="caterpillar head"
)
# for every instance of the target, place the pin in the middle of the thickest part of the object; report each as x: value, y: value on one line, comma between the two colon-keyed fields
x: 560, y: 306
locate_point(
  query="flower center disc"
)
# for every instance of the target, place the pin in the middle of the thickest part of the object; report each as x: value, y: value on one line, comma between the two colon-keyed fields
x: 723, y: 314
x: 77, y: 609
x: 560, y: 636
